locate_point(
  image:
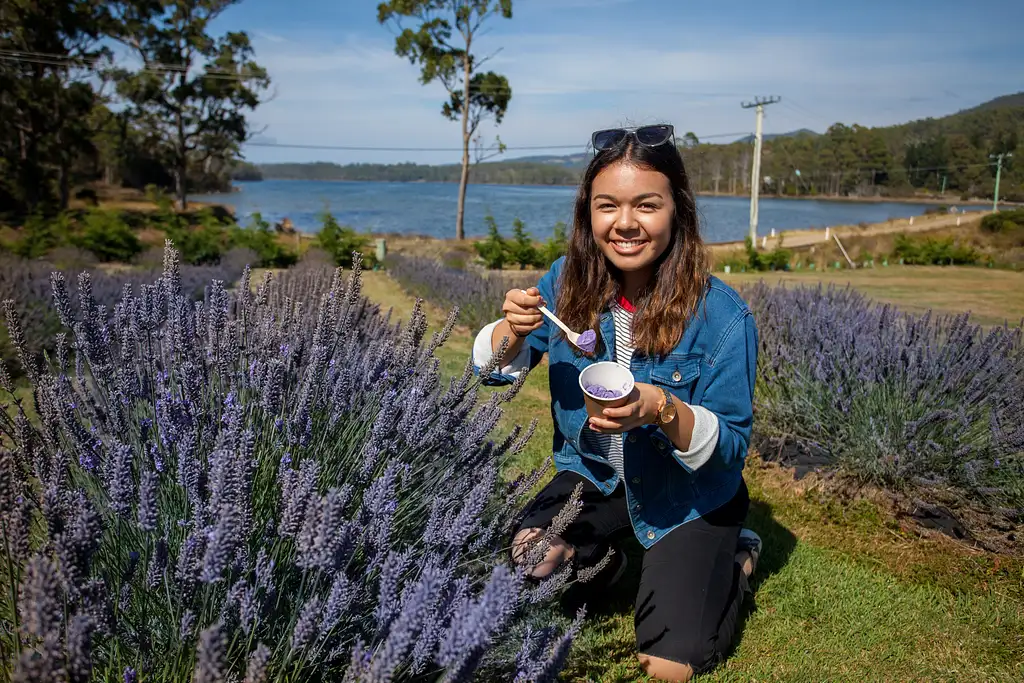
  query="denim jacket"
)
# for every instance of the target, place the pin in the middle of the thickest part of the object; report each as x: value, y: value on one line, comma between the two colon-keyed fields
x: 714, y: 366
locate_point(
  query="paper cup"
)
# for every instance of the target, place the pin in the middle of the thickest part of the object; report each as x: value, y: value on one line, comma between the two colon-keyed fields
x: 611, y: 376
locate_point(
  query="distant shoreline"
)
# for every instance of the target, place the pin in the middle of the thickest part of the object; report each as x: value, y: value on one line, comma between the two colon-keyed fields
x: 930, y: 199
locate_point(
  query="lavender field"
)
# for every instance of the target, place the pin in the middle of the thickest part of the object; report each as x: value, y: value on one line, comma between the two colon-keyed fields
x: 246, y: 483
x: 477, y: 297
x: 229, y: 481
x: 897, y: 399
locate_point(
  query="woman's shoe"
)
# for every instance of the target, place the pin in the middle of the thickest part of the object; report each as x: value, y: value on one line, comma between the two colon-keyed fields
x: 749, y: 542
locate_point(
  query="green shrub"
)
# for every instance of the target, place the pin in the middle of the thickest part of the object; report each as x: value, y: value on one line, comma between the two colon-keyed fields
x: 107, y: 236
x: 1003, y: 221
x: 493, y: 250
x: 776, y: 259
x: 929, y: 251
x: 521, y: 249
x: 341, y: 241
x: 455, y: 259
x: 555, y: 247
x: 41, y: 234
x: 201, y: 244
x: 262, y: 239
x: 164, y: 216
x: 735, y: 264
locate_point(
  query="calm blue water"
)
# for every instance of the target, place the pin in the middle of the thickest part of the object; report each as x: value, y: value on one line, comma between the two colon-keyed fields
x: 429, y: 208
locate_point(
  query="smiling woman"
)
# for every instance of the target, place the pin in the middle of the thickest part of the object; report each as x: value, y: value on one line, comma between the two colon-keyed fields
x: 666, y: 466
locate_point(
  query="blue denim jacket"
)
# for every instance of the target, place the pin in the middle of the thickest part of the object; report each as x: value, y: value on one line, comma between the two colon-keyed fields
x: 714, y: 365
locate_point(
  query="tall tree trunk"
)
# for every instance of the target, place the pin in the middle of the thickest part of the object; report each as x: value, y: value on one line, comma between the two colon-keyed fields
x: 460, y: 233
x: 65, y: 184
x: 179, y: 187
x: 181, y: 169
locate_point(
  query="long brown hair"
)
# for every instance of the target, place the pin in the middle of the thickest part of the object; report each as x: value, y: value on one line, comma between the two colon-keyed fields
x: 589, y: 282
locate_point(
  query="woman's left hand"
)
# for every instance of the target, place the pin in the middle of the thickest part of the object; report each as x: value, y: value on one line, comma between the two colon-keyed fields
x: 642, y: 409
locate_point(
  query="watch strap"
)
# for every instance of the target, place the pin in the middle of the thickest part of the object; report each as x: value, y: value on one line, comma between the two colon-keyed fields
x: 661, y: 411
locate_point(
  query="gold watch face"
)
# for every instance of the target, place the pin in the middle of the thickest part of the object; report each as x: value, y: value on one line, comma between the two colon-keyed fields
x: 668, y: 413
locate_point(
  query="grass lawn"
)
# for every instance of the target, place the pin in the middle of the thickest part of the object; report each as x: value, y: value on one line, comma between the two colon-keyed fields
x: 843, y: 593
x: 992, y: 296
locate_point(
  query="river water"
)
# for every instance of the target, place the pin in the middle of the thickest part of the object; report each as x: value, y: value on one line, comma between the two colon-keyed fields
x: 429, y: 208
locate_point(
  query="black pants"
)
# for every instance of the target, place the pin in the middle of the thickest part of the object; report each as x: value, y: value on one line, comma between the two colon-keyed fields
x: 689, y: 598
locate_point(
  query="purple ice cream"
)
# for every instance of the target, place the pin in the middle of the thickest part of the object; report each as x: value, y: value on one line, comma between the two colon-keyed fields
x: 587, y: 341
x: 602, y: 392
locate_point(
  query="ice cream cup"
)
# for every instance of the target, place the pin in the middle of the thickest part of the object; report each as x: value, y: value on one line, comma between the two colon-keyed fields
x: 611, y: 376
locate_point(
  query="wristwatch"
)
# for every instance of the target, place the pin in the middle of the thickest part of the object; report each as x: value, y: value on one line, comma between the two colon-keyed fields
x: 667, y: 413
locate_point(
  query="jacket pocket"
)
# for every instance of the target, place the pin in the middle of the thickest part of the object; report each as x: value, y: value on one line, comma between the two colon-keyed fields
x: 678, y: 374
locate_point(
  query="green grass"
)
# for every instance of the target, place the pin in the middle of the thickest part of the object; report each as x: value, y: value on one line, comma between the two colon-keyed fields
x: 991, y: 296
x: 843, y: 592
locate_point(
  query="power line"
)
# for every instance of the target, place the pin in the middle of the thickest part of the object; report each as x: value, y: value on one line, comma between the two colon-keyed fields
x: 155, y: 68
x: 357, y: 148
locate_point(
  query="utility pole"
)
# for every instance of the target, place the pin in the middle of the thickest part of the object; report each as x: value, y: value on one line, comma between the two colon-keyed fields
x: 759, y: 103
x: 999, y: 171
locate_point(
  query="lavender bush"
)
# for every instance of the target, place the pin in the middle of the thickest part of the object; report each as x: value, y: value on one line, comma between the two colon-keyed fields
x: 477, y: 297
x: 895, y: 397
x: 259, y: 486
x: 27, y: 283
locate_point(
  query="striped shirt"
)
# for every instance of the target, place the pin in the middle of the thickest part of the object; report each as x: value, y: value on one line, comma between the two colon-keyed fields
x: 610, y: 445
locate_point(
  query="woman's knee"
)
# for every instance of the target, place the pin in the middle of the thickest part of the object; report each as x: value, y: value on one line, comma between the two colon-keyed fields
x: 558, y: 552
x: 662, y: 669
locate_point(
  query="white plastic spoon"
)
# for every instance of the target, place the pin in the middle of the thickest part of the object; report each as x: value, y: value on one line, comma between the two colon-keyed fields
x: 585, y: 342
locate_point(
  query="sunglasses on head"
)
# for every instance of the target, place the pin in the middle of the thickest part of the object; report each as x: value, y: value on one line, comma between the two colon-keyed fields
x: 648, y: 136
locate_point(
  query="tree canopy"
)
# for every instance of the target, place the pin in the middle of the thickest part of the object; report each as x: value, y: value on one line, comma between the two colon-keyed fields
x: 72, y: 115
x: 441, y: 42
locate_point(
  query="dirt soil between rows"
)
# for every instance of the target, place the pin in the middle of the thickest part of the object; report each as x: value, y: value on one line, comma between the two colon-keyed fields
x: 919, y: 509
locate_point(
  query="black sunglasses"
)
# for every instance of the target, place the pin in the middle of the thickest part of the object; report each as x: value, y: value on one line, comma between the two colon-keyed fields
x: 648, y: 136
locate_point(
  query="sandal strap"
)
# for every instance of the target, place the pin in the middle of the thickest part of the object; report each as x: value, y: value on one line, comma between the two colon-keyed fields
x: 749, y: 541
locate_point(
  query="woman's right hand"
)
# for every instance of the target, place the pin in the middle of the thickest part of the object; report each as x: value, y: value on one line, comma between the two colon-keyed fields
x: 522, y: 311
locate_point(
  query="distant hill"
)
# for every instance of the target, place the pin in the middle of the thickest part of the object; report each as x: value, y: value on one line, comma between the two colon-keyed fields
x: 1015, y: 100
x: 774, y: 136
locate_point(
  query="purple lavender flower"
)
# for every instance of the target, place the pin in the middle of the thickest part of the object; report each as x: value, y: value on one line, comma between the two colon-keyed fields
x: 79, y: 648
x: 256, y: 668
x: 40, y: 602
x: 342, y: 593
x: 210, y: 656
x: 472, y: 628
x: 307, y: 626
x: 148, y: 501
x: 417, y: 606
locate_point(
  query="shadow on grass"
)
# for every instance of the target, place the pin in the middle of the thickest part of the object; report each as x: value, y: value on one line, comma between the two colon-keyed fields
x: 616, y: 603
x: 778, y: 544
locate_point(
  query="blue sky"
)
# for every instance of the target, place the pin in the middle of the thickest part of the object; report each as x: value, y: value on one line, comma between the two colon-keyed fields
x: 579, y: 65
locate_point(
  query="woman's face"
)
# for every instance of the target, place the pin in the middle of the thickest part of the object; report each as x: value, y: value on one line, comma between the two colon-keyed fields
x: 631, y: 212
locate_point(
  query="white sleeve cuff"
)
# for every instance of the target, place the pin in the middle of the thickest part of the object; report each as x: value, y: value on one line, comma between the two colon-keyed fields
x: 483, y: 352
x: 703, y: 441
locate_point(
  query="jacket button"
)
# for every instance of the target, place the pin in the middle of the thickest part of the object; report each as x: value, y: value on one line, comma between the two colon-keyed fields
x: 650, y: 535
x: 676, y: 376
x: 632, y: 438
x: 661, y: 444
x: 636, y: 480
x: 637, y: 507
